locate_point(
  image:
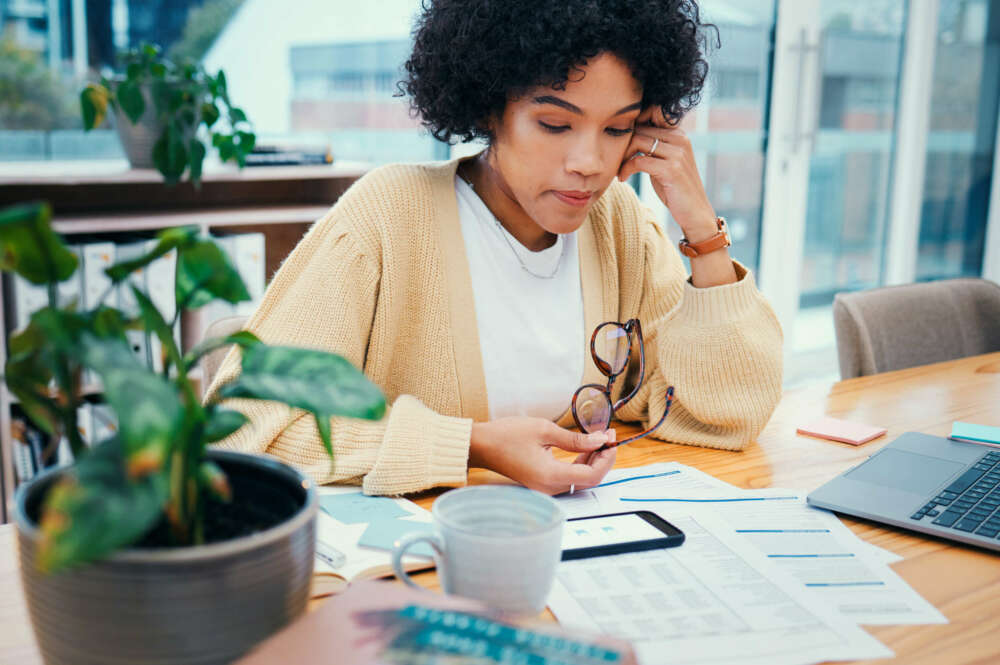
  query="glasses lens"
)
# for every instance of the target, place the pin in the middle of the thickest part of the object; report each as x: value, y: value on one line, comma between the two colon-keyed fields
x: 593, y: 409
x: 611, y: 345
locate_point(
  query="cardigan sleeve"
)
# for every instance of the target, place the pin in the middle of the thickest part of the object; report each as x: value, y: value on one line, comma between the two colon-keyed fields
x: 720, y: 347
x: 324, y: 297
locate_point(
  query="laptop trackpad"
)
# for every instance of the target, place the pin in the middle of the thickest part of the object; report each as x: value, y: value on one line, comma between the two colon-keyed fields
x: 909, y: 472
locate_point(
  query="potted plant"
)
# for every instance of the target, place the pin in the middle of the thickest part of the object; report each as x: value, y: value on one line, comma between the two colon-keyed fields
x: 160, y: 106
x: 152, y: 547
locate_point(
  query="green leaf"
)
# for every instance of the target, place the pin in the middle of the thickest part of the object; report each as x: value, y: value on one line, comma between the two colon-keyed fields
x: 243, y: 338
x: 169, y: 239
x: 95, y: 509
x: 197, y: 156
x: 150, y: 51
x: 107, y: 323
x: 212, y: 478
x: 323, y: 384
x: 209, y: 113
x: 236, y: 114
x: 94, y: 105
x: 227, y: 149
x: 222, y: 423
x: 29, y: 246
x: 169, y: 154
x: 158, y: 69
x: 205, y: 273
x: 150, y: 413
x: 133, y: 71
x: 130, y: 98
x: 155, y: 323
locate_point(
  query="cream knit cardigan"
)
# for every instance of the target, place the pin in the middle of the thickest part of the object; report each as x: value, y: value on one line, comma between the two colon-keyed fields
x: 382, y: 279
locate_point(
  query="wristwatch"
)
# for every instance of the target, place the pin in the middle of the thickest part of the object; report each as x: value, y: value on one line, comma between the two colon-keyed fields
x: 718, y: 241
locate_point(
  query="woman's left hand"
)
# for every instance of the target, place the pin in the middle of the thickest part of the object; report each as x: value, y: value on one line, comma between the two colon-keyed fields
x: 664, y: 152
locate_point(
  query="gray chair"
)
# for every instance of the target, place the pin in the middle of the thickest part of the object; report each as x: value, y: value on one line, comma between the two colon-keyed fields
x: 915, y: 324
x: 210, y: 362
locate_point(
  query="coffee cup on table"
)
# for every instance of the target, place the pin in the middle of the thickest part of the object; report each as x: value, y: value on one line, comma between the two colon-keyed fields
x: 498, y: 544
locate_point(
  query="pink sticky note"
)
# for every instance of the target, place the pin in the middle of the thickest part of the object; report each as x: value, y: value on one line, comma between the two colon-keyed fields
x: 842, y: 430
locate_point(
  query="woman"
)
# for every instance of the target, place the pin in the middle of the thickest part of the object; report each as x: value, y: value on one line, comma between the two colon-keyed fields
x: 468, y: 290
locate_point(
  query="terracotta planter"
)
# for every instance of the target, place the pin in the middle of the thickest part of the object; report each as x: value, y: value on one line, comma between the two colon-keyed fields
x: 204, y: 604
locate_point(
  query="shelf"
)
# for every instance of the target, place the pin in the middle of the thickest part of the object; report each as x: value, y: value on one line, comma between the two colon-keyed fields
x: 211, y: 218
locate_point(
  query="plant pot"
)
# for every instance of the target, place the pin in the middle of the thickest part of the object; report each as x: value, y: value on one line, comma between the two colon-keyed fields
x: 138, y: 139
x: 203, y: 604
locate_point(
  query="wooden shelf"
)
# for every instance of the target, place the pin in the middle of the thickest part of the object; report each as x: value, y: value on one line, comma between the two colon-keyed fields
x: 211, y: 218
x: 108, y: 198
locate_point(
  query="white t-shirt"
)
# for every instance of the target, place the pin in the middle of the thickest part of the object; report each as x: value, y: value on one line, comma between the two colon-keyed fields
x: 530, y: 328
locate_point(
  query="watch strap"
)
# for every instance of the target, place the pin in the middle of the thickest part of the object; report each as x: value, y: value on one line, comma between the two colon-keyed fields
x: 718, y: 241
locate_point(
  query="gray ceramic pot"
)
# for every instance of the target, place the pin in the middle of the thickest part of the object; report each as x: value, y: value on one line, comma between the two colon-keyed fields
x: 138, y: 139
x: 204, y: 604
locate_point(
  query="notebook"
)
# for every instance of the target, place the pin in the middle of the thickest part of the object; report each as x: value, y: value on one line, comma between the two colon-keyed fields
x: 354, y: 537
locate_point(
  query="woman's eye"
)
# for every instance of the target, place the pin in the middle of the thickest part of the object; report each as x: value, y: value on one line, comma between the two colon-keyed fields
x: 619, y: 132
x: 555, y: 129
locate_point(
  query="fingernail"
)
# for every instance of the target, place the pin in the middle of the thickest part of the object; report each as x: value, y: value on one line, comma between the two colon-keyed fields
x: 597, y: 437
x: 612, y: 435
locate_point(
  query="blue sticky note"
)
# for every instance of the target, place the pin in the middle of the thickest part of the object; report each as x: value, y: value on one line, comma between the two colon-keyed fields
x: 381, y: 534
x: 356, y: 508
x: 980, y: 433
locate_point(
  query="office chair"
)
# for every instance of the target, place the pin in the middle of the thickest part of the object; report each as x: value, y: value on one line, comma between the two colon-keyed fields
x: 896, y: 327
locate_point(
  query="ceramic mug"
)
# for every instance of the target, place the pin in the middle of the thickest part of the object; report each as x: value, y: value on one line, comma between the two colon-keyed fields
x: 498, y: 544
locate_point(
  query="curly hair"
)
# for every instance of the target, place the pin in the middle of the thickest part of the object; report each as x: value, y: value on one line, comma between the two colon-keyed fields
x: 470, y: 57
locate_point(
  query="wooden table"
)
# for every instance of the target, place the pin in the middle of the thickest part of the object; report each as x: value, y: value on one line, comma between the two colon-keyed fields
x: 962, y: 582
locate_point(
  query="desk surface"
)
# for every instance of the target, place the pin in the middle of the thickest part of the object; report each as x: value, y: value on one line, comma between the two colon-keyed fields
x: 962, y: 582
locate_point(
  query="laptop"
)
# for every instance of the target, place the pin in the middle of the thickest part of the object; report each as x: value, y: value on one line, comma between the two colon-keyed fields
x: 949, y: 489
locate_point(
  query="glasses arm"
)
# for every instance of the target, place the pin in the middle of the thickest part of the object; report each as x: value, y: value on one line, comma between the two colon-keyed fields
x: 634, y: 323
x: 666, y: 410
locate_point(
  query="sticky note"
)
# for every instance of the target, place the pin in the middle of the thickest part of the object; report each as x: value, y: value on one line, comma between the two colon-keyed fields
x: 382, y: 534
x: 842, y: 430
x: 977, y: 433
x: 356, y: 508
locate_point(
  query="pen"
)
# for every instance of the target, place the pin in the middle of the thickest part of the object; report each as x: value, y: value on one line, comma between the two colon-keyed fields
x: 330, y: 555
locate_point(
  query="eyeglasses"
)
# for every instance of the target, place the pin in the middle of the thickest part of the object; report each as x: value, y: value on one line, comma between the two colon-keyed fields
x: 611, y: 348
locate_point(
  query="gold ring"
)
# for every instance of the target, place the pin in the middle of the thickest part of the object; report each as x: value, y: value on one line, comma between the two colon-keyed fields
x: 656, y: 144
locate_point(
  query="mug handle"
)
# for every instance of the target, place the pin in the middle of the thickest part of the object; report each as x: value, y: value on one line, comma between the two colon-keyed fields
x: 404, y: 543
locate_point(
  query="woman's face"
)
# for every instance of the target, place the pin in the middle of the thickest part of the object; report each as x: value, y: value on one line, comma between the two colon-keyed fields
x: 556, y: 151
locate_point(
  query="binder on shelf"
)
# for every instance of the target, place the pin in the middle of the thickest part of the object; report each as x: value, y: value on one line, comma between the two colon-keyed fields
x: 246, y: 251
x: 126, y: 299
x: 103, y: 421
x: 21, y: 453
x: 70, y: 292
x: 160, y: 287
x: 24, y: 299
x: 97, y: 257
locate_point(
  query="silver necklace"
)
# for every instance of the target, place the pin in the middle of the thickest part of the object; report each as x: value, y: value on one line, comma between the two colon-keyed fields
x: 504, y: 234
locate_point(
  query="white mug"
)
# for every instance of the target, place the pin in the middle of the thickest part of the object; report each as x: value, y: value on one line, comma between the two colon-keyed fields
x: 498, y: 544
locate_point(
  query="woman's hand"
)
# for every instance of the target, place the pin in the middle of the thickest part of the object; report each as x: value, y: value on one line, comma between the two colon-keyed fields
x: 664, y: 152
x: 520, y: 448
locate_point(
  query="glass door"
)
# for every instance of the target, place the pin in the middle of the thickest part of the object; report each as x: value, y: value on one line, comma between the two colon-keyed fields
x: 829, y: 160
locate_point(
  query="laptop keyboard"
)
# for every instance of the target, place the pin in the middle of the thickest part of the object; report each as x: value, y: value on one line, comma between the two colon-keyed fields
x: 970, y: 503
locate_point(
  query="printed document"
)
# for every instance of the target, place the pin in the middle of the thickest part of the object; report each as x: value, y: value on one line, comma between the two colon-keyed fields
x: 713, y: 600
x: 809, y: 544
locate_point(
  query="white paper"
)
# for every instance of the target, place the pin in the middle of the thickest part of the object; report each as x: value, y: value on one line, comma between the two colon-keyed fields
x: 811, y: 545
x: 713, y: 600
x: 665, y: 476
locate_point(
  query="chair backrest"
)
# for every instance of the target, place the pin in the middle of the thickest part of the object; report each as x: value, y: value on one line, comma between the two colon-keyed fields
x: 896, y: 327
x: 210, y: 362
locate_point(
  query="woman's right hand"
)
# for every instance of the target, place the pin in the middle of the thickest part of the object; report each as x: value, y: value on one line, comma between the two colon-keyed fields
x: 519, y: 447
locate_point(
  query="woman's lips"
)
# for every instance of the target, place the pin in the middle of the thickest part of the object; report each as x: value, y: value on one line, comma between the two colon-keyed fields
x: 573, y: 198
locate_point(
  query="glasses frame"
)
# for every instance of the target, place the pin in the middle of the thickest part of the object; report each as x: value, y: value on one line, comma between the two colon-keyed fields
x: 632, y: 328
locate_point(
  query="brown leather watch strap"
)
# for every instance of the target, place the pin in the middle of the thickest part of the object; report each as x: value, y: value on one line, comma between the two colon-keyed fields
x: 718, y: 241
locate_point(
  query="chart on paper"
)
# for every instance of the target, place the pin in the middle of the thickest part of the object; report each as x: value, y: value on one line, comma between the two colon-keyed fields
x: 668, y: 602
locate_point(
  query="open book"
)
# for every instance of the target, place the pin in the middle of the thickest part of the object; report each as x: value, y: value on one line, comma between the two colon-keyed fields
x: 354, y: 537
